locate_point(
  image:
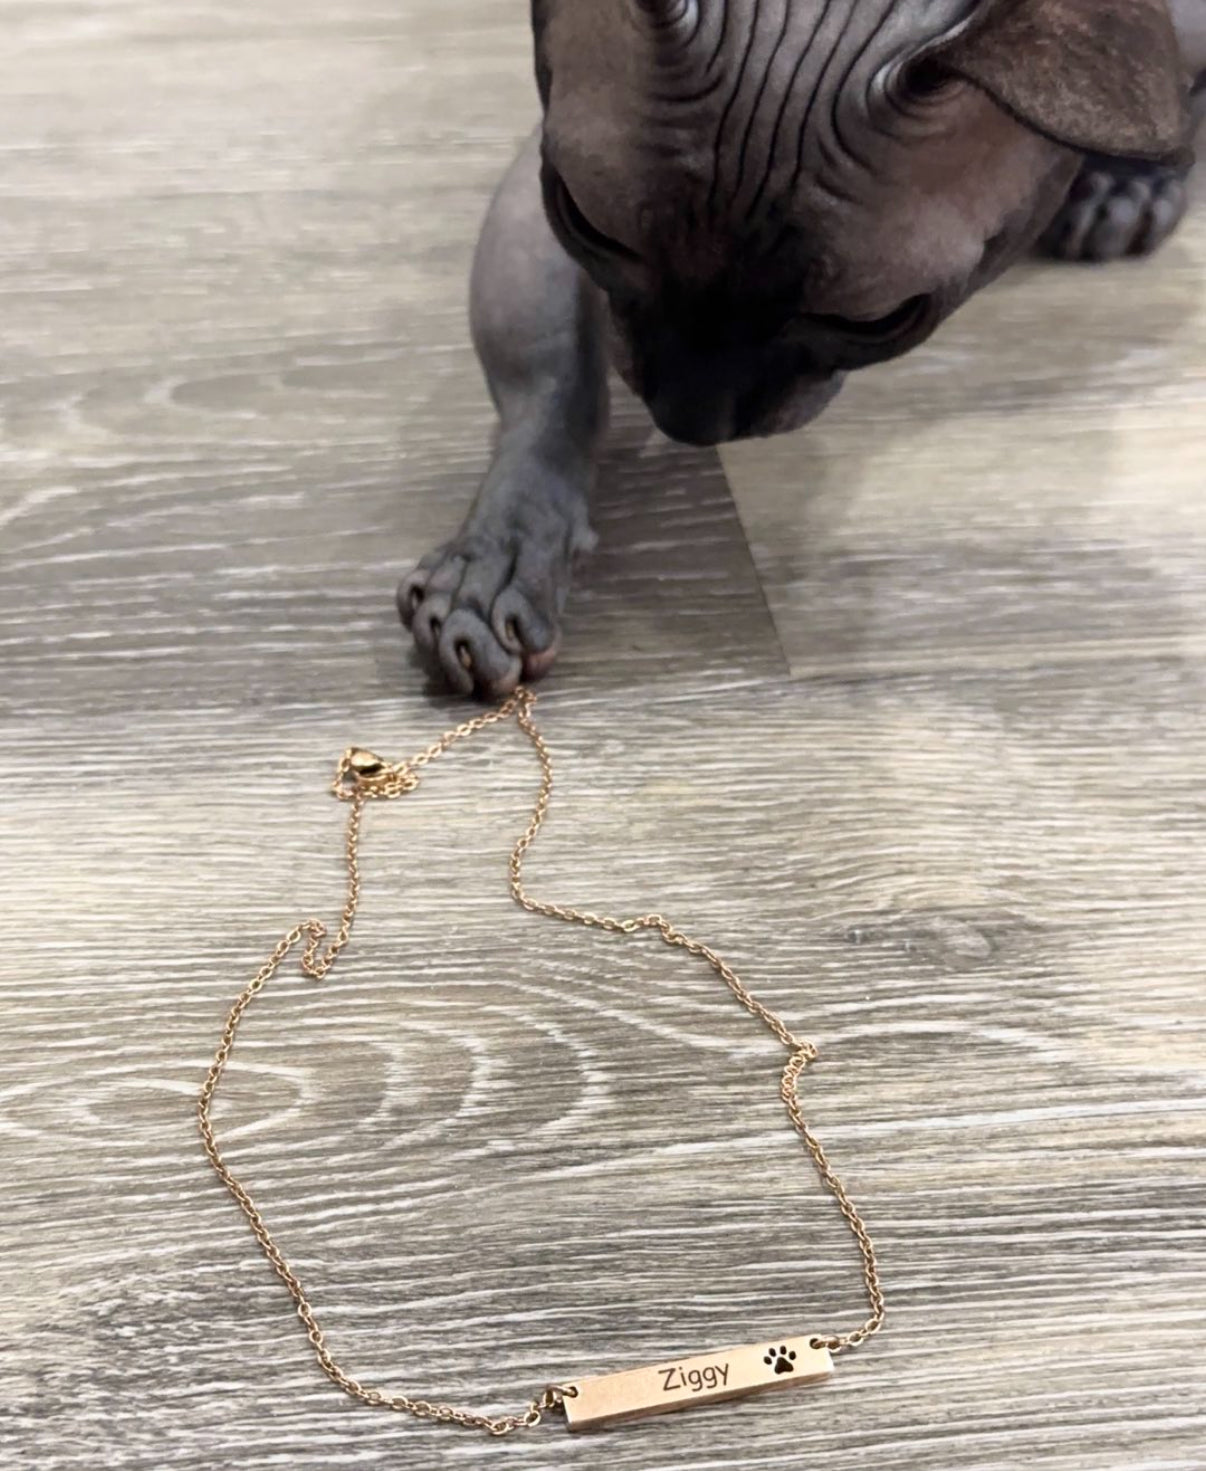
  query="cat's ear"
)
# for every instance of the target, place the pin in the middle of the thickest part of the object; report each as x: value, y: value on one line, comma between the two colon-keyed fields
x: 1102, y: 76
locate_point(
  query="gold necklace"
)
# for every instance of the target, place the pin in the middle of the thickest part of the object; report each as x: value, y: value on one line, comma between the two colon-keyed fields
x: 608, y: 1398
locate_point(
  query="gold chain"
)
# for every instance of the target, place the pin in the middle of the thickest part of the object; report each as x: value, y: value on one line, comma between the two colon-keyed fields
x: 362, y: 777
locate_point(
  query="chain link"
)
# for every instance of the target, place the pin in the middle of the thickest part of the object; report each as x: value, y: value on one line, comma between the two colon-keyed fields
x: 363, y: 777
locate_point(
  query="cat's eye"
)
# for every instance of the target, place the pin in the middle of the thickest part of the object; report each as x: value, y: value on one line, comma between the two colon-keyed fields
x: 576, y: 223
x: 927, y: 80
x: 905, y: 319
x: 927, y: 76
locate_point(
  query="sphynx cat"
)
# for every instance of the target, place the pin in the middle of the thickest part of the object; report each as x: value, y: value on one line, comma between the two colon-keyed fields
x: 735, y: 203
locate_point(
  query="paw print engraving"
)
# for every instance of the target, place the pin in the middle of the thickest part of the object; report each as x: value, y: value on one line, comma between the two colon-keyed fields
x: 781, y: 1359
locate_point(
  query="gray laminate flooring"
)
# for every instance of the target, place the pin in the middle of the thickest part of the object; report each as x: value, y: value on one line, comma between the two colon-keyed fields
x: 905, y: 717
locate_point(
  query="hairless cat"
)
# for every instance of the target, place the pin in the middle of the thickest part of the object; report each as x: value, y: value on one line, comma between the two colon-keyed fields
x: 736, y: 202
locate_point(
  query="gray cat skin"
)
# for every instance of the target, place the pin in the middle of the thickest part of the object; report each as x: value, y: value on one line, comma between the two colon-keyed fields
x: 735, y: 203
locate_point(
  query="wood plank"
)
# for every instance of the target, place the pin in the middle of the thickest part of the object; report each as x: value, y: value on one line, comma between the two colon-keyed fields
x: 238, y: 398
x: 237, y: 312
x: 501, y: 1151
x: 1027, y: 487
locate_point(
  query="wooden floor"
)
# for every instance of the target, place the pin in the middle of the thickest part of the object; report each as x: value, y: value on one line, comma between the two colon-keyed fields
x: 906, y: 717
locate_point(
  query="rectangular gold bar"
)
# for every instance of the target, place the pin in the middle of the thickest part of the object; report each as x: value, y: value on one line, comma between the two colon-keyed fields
x: 677, y: 1384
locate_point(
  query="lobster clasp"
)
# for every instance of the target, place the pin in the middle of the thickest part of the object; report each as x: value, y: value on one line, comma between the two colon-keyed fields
x: 360, y: 762
x: 365, y: 774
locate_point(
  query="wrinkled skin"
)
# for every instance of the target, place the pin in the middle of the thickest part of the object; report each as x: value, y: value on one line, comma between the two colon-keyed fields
x: 847, y: 195
x: 737, y: 202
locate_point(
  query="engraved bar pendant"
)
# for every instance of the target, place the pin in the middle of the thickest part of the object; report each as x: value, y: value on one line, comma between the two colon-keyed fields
x: 730, y: 1373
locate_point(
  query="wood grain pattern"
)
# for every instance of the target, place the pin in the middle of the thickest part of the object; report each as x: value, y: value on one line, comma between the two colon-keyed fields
x: 1027, y: 487
x: 242, y: 303
x: 238, y: 398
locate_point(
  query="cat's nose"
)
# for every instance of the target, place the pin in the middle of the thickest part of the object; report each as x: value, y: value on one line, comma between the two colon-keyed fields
x: 698, y: 419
